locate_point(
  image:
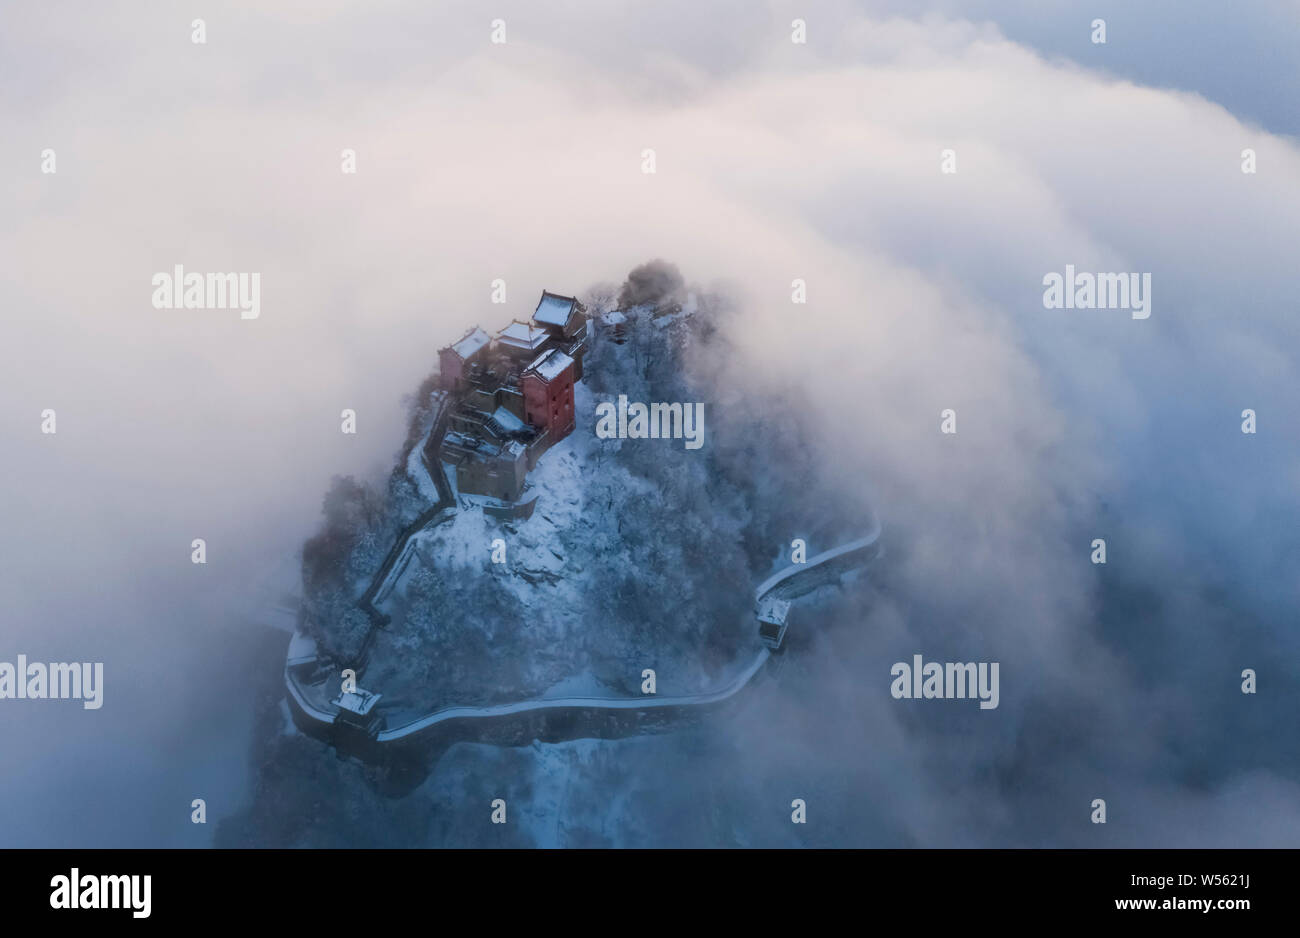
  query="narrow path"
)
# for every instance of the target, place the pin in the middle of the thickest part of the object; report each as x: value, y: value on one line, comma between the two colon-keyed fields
x: 794, y: 581
x: 445, y: 506
x: 577, y: 704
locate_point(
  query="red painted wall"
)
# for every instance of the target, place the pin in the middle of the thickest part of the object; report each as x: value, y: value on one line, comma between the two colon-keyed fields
x: 450, y: 367
x: 549, y: 406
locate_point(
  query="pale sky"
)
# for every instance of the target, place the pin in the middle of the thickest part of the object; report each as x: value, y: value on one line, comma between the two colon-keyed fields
x: 774, y: 160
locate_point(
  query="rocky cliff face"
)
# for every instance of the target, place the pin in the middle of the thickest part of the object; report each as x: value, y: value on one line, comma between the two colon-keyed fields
x: 642, y: 553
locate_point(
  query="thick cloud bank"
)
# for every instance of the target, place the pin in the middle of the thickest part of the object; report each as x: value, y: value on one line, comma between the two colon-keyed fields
x: 774, y: 161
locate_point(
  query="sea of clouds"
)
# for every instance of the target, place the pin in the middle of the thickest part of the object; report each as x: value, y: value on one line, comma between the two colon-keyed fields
x: 774, y: 161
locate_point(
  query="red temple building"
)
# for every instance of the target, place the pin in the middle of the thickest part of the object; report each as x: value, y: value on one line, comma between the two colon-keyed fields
x: 562, y: 318
x: 512, y: 397
x: 455, y: 359
x: 548, y: 393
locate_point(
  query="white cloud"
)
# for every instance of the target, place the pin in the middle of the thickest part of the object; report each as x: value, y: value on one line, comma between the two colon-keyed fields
x: 775, y: 161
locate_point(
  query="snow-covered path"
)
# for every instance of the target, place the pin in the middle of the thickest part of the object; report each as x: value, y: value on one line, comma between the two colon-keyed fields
x: 791, y: 582
x: 577, y: 704
x: 795, y: 580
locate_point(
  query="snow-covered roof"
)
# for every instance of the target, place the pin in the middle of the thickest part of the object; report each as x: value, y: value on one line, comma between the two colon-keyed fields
x: 553, y: 309
x: 471, y: 342
x: 361, y: 702
x: 774, y: 611
x: 549, y: 365
x: 472, y: 444
x: 522, y: 335
x: 507, y: 421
